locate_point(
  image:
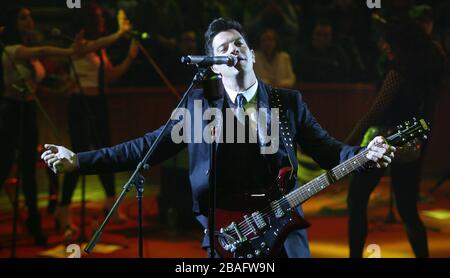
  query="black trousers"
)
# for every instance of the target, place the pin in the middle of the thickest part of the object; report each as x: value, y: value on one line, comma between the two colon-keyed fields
x: 89, y: 129
x: 25, y: 146
x: 405, y: 181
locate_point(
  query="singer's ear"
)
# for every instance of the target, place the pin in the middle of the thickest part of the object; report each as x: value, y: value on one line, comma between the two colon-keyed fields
x: 253, y: 56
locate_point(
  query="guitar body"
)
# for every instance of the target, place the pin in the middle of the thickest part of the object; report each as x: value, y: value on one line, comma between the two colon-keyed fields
x: 266, y: 243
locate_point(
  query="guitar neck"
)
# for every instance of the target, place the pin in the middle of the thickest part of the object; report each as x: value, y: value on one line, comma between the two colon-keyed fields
x: 318, y: 184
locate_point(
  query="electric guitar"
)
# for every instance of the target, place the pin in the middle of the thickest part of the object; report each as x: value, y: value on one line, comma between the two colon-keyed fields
x: 261, y: 233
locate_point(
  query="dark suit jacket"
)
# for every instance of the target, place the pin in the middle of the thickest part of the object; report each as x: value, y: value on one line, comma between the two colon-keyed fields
x: 306, y: 132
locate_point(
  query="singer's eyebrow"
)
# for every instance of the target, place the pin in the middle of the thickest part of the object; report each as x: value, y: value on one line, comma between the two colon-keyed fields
x: 240, y: 38
x: 222, y: 44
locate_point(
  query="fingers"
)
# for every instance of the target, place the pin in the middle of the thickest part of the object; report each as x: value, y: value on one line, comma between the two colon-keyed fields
x: 392, y: 149
x: 52, y: 160
x: 376, y: 153
x: 121, y: 14
x: 386, y: 159
x: 45, y: 154
x: 376, y: 141
x: 51, y: 147
x: 57, y: 167
x: 48, y: 157
x: 50, y: 150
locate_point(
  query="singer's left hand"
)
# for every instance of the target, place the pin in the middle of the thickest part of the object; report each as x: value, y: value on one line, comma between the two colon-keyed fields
x: 380, y: 154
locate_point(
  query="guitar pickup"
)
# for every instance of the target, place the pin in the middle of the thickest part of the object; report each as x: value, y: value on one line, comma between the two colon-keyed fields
x: 259, y: 220
x: 277, y: 209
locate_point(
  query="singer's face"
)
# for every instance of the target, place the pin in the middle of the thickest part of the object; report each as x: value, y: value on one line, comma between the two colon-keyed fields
x: 25, y: 23
x: 228, y: 43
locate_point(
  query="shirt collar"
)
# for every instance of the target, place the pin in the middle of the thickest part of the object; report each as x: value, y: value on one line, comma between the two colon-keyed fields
x: 249, y: 94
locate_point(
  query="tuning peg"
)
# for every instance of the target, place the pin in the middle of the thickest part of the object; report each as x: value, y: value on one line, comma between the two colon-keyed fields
x: 414, y: 119
x: 425, y: 137
x: 407, y: 123
x: 400, y: 127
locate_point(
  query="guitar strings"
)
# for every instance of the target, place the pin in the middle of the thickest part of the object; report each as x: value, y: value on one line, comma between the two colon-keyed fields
x: 247, y: 230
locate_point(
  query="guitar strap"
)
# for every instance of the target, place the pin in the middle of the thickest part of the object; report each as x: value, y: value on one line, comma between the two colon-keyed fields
x: 285, y: 132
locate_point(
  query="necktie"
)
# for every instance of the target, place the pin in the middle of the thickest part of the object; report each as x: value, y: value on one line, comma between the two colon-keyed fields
x: 240, y: 101
x: 240, y: 112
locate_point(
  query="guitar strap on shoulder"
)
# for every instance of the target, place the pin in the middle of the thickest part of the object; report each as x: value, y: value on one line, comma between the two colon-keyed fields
x: 285, y: 132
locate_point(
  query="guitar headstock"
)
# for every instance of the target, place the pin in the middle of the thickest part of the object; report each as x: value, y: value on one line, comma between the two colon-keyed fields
x: 408, y: 131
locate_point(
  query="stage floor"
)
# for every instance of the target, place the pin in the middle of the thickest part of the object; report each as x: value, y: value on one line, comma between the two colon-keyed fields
x: 326, y: 212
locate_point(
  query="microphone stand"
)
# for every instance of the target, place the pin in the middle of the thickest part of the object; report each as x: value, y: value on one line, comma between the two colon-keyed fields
x: 211, y: 93
x: 137, y: 180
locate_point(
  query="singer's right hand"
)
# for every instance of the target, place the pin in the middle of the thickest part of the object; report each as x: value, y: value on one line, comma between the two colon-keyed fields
x: 59, y: 159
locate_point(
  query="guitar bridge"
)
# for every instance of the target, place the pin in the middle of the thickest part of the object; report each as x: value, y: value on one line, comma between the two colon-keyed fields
x: 228, y: 241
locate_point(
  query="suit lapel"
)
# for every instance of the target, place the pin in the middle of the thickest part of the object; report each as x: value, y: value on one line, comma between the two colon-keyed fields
x: 263, y: 103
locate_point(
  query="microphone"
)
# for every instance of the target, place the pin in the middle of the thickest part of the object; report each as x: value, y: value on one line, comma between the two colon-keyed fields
x: 207, y: 61
x: 138, y: 35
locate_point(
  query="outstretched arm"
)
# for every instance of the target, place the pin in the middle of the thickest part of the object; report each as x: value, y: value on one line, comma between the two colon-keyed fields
x: 25, y: 53
x: 124, y: 28
x: 117, y: 158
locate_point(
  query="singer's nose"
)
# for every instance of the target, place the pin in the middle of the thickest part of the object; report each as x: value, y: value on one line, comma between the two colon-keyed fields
x: 234, y: 50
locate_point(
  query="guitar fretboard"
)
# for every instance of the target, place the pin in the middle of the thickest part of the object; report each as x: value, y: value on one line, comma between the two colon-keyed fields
x: 318, y: 184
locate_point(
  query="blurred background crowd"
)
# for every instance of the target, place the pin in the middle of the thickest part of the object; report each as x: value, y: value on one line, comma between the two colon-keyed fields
x: 296, y: 41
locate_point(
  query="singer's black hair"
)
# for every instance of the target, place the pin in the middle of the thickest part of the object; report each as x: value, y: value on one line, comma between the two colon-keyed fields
x: 219, y: 25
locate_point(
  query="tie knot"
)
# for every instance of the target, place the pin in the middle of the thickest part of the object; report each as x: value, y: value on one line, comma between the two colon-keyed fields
x: 240, y: 101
